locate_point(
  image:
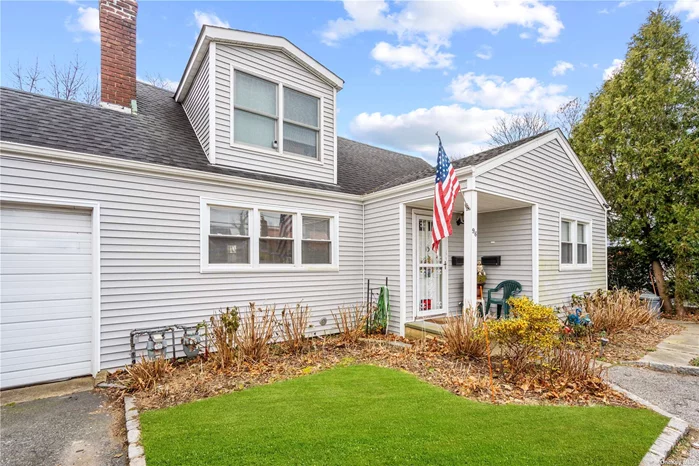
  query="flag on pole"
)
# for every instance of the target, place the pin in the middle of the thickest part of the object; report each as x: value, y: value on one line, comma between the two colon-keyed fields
x: 445, y: 190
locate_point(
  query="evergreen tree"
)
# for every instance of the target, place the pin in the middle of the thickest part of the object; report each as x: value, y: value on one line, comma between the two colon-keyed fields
x: 638, y: 138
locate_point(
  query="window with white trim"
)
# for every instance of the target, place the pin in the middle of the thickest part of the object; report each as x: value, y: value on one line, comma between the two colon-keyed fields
x: 255, y: 111
x: 257, y: 121
x: 316, y: 246
x: 229, y: 235
x: 276, y: 238
x: 301, y: 123
x: 238, y: 237
x: 575, y: 249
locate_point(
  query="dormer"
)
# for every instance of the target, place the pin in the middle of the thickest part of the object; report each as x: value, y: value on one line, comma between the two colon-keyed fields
x: 259, y: 103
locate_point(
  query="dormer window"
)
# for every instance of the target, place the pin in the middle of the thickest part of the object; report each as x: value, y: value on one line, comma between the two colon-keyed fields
x: 301, y: 123
x: 274, y: 117
x: 255, y: 111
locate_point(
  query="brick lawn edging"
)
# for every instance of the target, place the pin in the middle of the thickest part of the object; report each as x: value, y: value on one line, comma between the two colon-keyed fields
x: 668, y: 438
x: 133, y: 433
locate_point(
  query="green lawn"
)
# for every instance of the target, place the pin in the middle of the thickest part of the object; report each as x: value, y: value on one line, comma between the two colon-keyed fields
x: 371, y: 415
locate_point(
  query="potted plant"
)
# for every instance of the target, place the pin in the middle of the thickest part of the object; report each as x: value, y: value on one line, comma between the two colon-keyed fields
x: 481, y: 276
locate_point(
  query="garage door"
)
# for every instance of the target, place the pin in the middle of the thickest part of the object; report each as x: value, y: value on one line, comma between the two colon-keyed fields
x: 45, y: 294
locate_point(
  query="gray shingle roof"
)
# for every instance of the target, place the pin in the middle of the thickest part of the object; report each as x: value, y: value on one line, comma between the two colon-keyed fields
x: 161, y: 134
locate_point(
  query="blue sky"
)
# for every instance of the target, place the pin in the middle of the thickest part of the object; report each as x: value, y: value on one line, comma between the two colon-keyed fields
x: 409, y: 68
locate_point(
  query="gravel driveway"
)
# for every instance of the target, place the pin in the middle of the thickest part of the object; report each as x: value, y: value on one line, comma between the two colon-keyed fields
x: 675, y: 393
x: 66, y: 430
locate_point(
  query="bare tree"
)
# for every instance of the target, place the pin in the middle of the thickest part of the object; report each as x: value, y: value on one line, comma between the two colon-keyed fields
x: 69, y: 81
x: 157, y: 80
x: 29, y: 79
x: 515, y: 127
x: 569, y: 114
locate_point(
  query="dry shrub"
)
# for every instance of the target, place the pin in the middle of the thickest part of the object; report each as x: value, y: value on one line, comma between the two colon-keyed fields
x: 351, y: 322
x: 292, y: 325
x: 255, y: 333
x: 146, y: 373
x: 223, y: 328
x: 574, y: 365
x: 615, y: 311
x: 531, y: 332
x: 464, y: 335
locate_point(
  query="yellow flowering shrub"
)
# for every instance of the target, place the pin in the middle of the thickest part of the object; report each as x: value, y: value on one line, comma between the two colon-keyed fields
x: 532, y: 330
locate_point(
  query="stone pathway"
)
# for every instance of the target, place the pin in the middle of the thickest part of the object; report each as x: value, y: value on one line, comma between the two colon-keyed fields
x: 677, y: 349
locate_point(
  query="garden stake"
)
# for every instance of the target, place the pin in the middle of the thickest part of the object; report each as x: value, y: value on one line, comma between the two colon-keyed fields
x: 490, y: 366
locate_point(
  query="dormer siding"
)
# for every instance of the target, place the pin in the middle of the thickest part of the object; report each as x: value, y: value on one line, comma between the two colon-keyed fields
x: 275, y: 67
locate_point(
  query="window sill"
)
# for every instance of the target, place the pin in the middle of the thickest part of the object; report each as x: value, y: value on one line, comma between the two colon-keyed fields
x: 275, y: 153
x: 263, y: 269
x: 574, y: 268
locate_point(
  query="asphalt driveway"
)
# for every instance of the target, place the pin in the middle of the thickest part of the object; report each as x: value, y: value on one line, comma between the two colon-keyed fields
x: 75, y: 429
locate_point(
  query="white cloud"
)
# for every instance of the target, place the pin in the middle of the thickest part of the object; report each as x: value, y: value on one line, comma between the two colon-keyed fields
x: 626, y: 3
x: 691, y: 7
x: 86, y: 22
x: 519, y: 94
x: 463, y: 130
x: 485, y: 52
x: 609, y: 73
x: 430, y: 25
x: 561, y: 68
x: 525, y: 35
x: 603, y: 11
x: 210, y: 19
x: 411, y: 56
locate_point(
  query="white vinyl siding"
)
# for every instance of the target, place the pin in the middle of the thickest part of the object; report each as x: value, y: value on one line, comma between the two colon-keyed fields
x: 150, y: 249
x: 196, y: 105
x: 46, y: 294
x: 278, y: 68
x: 546, y: 175
x: 508, y: 234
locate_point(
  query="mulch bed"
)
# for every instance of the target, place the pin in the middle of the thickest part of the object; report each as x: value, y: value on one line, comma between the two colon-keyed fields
x: 429, y: 361
x: 634, y: 344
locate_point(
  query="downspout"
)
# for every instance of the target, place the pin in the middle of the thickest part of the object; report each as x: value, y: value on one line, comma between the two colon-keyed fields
x: 363, y: 255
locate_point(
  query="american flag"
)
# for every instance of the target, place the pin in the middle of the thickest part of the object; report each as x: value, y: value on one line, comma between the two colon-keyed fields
x: 445, y: 190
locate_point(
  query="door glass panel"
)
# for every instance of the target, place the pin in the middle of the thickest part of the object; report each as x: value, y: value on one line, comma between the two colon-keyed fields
x: 430, y: 271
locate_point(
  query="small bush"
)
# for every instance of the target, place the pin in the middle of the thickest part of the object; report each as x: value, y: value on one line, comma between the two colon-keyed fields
x: 146, y: 373
x: 464, y: 335
x: 223, y: 328
x: 531, y: 331
x: 255, y: 333
x: 574, y: 365
x: 292, y: 326
x: 615, y: 311
x: 351, y: 322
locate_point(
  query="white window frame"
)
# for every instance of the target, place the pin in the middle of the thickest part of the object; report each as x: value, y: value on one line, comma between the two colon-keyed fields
x: 276, y: 117
x: 574, y: 221
x: 330, y: 232
x: 254, y: 230
x: 279, y: 151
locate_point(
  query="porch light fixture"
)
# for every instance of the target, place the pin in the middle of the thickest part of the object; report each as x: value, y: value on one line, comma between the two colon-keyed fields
x: 459, y: 221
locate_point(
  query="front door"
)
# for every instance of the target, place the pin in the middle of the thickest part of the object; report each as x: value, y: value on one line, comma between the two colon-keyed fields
x: 431, y: 283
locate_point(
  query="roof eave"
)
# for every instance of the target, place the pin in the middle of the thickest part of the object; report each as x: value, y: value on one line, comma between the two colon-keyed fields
x: 253, y: 40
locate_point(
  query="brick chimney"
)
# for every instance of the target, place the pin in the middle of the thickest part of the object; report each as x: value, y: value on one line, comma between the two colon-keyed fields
x: 118, y: 53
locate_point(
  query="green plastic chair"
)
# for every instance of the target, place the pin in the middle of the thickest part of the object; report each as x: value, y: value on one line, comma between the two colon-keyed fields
x: 509, y: 289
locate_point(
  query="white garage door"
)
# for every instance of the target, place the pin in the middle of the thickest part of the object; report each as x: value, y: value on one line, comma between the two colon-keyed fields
x: 45, y: 294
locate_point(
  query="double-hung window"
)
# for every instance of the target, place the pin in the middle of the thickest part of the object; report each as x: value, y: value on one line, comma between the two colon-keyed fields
x: 276, y: 238
x: 301, y: 123
x: 574, y: 244
x: 257, y: 121
x: 235, y: 237
x: 229, y: 235
x: 255, y: 111
x: 316, y: 247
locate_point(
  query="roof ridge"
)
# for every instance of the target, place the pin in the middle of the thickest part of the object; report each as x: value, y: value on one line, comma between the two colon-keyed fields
x: 49, y: 97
